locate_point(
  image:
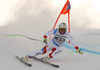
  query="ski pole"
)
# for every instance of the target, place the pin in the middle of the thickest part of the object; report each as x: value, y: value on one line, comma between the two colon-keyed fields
x: 22, y: 36
x: 73, y: 51
x: 77, y: 52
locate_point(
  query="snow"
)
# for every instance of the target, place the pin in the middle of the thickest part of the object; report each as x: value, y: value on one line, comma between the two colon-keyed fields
x: 34, y: 18
x: 67, y: 61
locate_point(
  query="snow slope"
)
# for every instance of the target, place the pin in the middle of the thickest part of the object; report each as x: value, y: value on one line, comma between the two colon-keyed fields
x: 11, y: 46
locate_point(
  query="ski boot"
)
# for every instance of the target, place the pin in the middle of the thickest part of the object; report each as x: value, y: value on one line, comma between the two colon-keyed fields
x: 25, y: 59
x: 46, y: 58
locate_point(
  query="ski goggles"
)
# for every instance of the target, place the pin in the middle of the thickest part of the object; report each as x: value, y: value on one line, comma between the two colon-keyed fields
x: 63, y: 29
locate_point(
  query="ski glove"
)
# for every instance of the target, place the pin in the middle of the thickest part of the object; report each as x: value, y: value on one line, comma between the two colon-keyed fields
x: 45, y: 41
x: 80, y: 51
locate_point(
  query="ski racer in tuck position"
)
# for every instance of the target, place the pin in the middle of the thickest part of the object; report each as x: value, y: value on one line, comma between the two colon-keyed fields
x: 55, y: 45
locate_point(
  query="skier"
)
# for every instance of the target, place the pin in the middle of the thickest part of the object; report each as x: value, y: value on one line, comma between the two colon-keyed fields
x: 55, y: 45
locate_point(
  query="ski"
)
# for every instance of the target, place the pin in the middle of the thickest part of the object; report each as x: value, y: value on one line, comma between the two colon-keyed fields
x: 54, y: 65
x: 28, y: 64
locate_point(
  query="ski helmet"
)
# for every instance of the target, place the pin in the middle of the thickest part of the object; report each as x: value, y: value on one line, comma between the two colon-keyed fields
x: 62, y: 26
